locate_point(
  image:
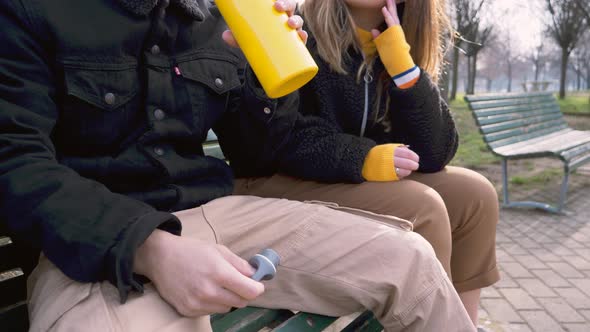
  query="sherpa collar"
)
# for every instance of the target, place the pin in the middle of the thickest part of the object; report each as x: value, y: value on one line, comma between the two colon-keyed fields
x: 195, y: 8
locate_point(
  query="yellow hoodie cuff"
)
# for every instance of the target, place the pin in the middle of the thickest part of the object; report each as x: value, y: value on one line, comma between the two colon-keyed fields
x: 394, y: 51
x: 379, y: 164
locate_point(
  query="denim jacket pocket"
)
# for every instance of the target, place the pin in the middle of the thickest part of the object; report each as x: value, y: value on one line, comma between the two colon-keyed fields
x: 211, y: 83
x: 104, y: 86
x: 219, y: 75
x: 97, y: 107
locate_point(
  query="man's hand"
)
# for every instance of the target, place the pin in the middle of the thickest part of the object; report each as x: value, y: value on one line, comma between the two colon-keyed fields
x: 295, y: 21
x: 195, y: 277
x: 405, y: 160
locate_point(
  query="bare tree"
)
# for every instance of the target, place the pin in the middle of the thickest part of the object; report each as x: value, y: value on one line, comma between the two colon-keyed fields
x: 580, y: 63
x: 576, y: 64
x: 566, y: 28
x: 464, y: 13
x: 585, y: 9
x: 538, y: 58
x: 488, y: 66
x: 445, y: 75
x: 506, y: 52
x: 479, y: 37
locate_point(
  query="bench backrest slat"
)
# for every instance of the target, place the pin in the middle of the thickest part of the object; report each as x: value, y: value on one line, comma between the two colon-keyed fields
x: 531, y: 131
x: 494, y: 96
x: 9, y: 255
x: 510, y: 118
x: 490, y: 104
x: 248, y: 319
x: 512, y: 113
x: 520, y: 123
x: 211, y: 146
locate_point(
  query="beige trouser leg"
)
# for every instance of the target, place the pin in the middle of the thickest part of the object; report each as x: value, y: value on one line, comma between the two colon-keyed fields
x: 455, y: 210
x: 332, y: 263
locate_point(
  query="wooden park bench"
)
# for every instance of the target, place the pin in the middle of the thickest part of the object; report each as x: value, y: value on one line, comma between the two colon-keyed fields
x: 14, y: 315
x: 13, y: 288
x: 529, y: 125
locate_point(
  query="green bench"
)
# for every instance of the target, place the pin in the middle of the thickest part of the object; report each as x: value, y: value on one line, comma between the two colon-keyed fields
x: 14, y: 315
x: 13, y: 285
x: 529, y: 125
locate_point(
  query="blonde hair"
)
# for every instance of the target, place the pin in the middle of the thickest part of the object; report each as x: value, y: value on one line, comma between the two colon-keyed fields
x: 425, y: 26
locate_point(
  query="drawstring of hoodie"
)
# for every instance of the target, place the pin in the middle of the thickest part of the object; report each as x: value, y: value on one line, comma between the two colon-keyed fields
x: 367, y: 49
x: 368, y: 78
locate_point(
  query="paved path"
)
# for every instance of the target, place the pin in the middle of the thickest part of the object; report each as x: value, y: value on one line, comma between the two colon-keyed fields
x: 545, y: 266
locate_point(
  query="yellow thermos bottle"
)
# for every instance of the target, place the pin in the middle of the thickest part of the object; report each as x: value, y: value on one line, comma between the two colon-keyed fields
x: 275, y: 52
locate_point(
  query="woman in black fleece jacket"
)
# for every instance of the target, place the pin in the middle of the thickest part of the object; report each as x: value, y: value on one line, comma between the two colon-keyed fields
x: 389, y: 110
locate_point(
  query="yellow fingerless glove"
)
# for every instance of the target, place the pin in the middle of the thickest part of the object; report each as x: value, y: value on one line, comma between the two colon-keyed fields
x: 394, y: 50
x: 379, y: 164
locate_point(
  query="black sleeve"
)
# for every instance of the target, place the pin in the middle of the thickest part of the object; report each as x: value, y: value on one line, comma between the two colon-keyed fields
x: 423, y: 120
x: 320, y: 149
x: 87, y: 231
x: 263, y: 136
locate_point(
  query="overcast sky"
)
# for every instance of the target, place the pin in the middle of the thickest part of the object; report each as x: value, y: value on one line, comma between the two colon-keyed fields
x: 522, y: 19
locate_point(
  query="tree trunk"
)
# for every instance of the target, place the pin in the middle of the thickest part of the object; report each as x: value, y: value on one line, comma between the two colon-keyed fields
x: 537, y: 69
x: 455, y: 77
x: 468, y: 90
x: 443, y: 83
x: 471, y: 76
x: 472, y: 84
x: 489, y: 84
x: 588, y: 76
x: 510, y: 76
x: 474, y: 73
x: 578, y: 75
x: 564, y: 58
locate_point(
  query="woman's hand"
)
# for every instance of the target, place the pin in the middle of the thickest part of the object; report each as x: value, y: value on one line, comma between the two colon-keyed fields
x: 405, y: 161
x: 391, y: 18
x: 295, y: 21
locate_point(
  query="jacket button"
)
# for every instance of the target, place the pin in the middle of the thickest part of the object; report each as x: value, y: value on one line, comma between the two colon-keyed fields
x: 218, y: 82
x: 267, y: 110
x: 158, y: 150
x: 109, y: 98
x: 155, y: 50
x: 159, y: 114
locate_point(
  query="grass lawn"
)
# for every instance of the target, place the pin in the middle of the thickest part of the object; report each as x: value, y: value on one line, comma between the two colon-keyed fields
x: 575, y: 103
x: 472, y: 152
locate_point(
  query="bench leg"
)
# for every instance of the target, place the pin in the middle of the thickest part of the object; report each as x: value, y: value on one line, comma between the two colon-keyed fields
x: 564, y: 186
x: 505, y: 181
x: 538, y: 205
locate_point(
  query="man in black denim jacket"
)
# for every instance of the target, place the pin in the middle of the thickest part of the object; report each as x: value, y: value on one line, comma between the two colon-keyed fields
x: 104, y: 105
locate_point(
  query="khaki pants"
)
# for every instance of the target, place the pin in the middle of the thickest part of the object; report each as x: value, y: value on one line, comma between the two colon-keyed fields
x: 455, y: 210
x: 332, y: 263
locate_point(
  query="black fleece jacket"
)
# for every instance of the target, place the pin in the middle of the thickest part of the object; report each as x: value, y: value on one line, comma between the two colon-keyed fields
x: 417, y: 117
